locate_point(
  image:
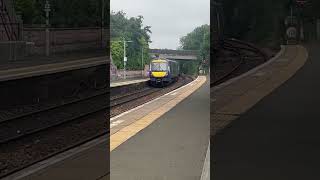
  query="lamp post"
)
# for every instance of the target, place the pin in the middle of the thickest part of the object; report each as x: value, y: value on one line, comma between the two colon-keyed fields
x: 124, y: 56
x: 125, y: 59
x: 47, y: 9
x: 217, y: 6
x: 102, y: 22
x: 142, y: 65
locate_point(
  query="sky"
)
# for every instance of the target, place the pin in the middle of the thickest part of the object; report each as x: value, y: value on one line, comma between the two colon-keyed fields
x: 169, y: 19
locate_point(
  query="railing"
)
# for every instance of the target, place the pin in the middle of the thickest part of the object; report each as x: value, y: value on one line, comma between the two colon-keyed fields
x: 8, y: 22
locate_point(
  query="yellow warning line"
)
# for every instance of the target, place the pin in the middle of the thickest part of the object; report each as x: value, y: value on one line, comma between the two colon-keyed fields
x: 129, y: 131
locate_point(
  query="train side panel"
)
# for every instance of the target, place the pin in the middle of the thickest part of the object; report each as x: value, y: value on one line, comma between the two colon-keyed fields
x: 174, y: 69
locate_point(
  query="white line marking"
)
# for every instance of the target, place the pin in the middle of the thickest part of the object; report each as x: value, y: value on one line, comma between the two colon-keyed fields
x: 138, y: 107
x: 146, y: 103
x: 116, y: 123
x: 205, y: 175
x: 282, y: 51
x: 115, y: 84
x: 173, y: 94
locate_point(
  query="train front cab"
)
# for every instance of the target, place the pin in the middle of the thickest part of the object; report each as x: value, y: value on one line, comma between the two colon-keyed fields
x: 160, y: 74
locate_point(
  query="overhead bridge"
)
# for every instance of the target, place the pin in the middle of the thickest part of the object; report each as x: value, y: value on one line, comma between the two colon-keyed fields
x: 184, y: 55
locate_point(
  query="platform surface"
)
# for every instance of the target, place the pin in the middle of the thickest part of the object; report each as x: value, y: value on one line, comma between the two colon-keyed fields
x: 19, y: 70
x: 173, y: 146
x: 278, y: 138
x: 86, y: 162
x: 124, y: 82
x: 53, y: 58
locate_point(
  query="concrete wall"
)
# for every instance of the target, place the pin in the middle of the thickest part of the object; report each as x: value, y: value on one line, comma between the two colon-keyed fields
x: 113, y: 72
x: 12, y: 51
x: 131, y: 74
x: 65, y: 39
x: 116, y: 74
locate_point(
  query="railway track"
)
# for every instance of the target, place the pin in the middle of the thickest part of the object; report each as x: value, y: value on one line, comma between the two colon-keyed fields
x: 20, y: 137
x: 40, y: 146
x: 132, y: 96
x: 8, y: 117
x: 26, y: 110
x: 14, y: 128
x: 30, y: 138
x: 23, y: 128
x: 238, y: 56
x: 123, y: 103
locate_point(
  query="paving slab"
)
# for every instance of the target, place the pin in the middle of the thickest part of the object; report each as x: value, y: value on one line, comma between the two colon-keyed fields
x: 27, y: 71
x: 174, y: 142
x: 239, y: 96
x: 276, y: 134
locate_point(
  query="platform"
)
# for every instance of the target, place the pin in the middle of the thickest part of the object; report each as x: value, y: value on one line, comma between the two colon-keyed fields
x: 265, y: 124
x: 124, y: 82
x: 24, y: 69
x: 166, y: 138
x: 89, y: 161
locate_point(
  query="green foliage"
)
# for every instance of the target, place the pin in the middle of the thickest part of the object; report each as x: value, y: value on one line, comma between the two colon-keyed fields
x: 117, y: 53
x: 64, y: 13
x: 262, y: 21
x: 190, y: 68
x: 198, y: 39
x: 130, y: 29
x: 30, y: 10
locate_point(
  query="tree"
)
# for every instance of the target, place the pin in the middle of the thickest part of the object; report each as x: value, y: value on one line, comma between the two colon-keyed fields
x: 117, y: 53
x: 131, y: 29
x: 262, y: 22
x: 70, y: 13
x: 30, y: 11
x: 198, y: 39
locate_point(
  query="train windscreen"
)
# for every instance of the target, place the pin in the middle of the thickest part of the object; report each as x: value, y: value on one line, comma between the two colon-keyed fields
x: 159, y: 66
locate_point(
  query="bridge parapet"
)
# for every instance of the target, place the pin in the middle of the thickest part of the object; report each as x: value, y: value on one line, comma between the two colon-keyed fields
x: 175, y: 54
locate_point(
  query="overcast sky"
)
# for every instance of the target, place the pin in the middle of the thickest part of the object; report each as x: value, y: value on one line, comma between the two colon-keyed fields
x: 169, y: 19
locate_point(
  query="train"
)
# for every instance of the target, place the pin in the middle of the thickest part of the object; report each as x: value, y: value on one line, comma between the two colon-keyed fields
x: 163, y: 72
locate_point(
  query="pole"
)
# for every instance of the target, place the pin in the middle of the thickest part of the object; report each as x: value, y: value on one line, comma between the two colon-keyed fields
x: 318, y: 29
x: 218, y: 21
x: 291, y: 15
x: 124, y: 55
x: 102, y: 22
x: 142, y: 61
x: 47, y: 42
x: 124, y: 59
x: 301, y: 24
x: 47, y: 10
